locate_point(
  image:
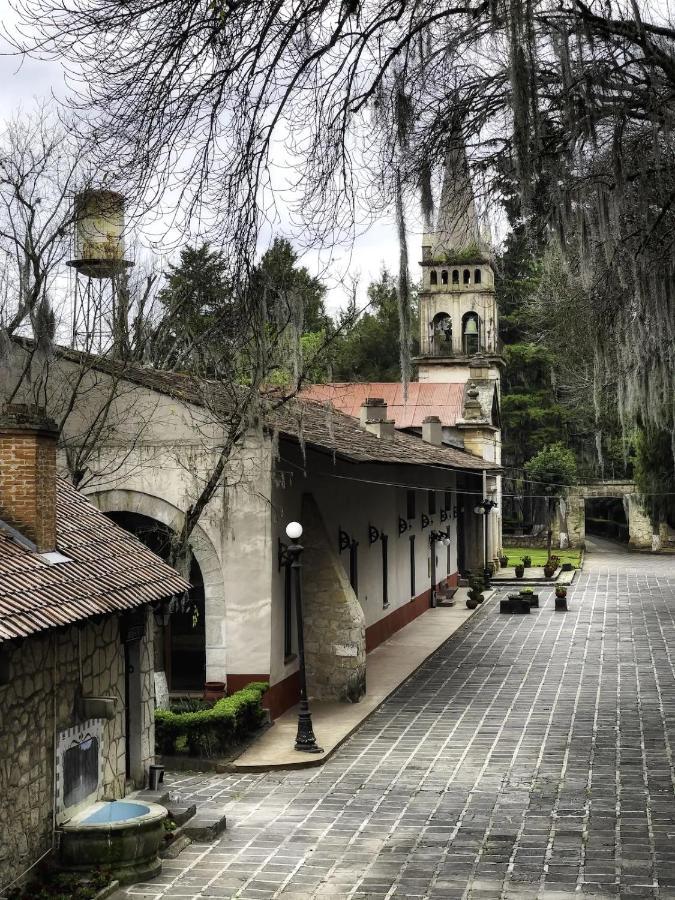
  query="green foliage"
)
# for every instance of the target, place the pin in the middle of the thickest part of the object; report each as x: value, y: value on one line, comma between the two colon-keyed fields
x: 197, y: 306
x: 369, y: 350
x: 212, y: 731
x: 539, y: 556
x: 288, y: 288
x: 654, y: 473
x: 472, y: 252
x: 552, y: 468
x: 51, y: 885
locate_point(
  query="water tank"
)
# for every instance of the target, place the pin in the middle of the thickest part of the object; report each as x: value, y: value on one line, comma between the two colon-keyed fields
x: 99, y: 234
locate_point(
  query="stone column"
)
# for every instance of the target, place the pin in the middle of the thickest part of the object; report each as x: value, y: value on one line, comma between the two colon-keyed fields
x: 335, y: 630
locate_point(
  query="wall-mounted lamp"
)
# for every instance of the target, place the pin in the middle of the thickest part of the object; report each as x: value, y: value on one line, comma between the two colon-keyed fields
x: 373, y: 534
x: 402, y: 526
x: 344, y: 541
x: 426, y: 521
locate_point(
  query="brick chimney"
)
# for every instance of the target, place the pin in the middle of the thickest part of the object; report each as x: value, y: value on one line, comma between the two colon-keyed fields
x: 28, y: 473
x: 374, y: 418
x: 432, y: 430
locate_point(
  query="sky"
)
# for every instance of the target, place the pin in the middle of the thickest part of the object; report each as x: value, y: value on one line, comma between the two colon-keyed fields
x: 25, y: 82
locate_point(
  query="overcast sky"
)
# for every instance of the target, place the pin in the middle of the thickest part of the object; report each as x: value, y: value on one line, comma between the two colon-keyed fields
x: 23, y: 82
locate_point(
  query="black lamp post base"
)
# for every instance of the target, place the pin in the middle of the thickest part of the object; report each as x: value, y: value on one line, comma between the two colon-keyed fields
x: 305, y: 741
x: 308, y: 748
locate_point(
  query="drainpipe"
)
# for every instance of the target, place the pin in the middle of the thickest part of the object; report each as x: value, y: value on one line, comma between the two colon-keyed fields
x: 485, y: 524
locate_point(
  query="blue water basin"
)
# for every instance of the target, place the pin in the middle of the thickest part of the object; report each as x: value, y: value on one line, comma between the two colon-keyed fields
x: 117, y: 811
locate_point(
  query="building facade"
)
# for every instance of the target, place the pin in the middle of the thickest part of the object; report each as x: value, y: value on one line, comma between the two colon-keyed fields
x: 76, y: 647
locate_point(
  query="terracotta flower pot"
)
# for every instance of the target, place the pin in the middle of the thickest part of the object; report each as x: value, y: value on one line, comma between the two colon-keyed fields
x: 214, y: 690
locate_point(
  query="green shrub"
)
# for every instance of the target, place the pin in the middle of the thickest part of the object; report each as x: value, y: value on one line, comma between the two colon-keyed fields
x: 211, y: 731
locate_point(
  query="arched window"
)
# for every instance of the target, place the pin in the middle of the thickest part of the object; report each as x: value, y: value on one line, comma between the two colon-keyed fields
x: 466, y: 276
x: 441, y: 334
x: 455, y: 276
x: 470, y: 334
x: 444, y: 276
x: 477, y: 276
x: 433, y: 278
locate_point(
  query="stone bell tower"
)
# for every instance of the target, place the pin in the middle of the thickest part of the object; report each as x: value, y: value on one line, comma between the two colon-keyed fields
x: 458, y: 312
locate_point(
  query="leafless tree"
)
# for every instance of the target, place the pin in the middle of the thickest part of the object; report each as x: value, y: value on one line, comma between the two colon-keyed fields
x: 364, y: 100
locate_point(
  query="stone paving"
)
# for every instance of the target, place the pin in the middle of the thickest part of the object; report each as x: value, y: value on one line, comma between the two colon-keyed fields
x: 530, y: 757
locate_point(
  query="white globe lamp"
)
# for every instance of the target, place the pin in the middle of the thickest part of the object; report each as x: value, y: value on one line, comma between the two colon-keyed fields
x: 294, y: 531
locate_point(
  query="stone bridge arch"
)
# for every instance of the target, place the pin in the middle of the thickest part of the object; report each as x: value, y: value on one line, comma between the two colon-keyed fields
x: 133, y: 501
x: 573, y: 517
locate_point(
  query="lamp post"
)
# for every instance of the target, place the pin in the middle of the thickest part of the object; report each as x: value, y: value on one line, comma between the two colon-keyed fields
x: 305, y: 741
x: 483, y: 509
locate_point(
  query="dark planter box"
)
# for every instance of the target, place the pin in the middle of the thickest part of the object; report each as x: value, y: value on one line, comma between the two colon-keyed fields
x: 514, y: 604
x: 532, y: 599
x: 567, y: 567
x: 561, y: 603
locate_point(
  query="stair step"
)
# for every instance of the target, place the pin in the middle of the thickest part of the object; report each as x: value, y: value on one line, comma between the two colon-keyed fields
x: 207, y: 824
x: 181, y: 814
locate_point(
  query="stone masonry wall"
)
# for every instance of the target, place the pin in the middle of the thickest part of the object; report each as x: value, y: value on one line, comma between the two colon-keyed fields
x: 39, y: 700
x: 335, y: 630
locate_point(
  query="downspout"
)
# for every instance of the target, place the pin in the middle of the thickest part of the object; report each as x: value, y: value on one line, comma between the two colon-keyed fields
x: 485, y: 524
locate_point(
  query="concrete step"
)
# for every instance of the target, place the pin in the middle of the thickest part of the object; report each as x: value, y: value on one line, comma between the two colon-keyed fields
x: 207, y: 824
x: 181, y: 814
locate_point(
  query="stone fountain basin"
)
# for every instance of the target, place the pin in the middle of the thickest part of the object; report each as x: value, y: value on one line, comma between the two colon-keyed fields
x: 121, y: 835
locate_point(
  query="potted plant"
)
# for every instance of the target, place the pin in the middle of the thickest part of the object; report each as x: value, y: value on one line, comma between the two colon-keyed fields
x: 528, y: 594
x: 527, y: 561
x: 475, y: 593
x: 549, y: 570
x: 561, y: 597
x: 503, y: 561
x: 520, y: 570
x: 567, y: 567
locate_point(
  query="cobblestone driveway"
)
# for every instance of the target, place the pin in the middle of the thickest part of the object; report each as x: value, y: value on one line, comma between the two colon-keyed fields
x: 531, y: 756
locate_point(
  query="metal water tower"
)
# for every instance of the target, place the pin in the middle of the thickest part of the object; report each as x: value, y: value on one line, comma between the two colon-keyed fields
x: 98, y: 263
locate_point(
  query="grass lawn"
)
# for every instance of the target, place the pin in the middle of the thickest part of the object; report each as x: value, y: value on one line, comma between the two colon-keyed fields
x: 538, y: 555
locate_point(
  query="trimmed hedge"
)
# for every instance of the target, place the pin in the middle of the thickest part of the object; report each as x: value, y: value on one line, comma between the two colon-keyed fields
x: 212, y: 731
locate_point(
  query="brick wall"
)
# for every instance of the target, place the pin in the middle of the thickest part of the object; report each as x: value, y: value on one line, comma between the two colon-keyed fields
x: 28, y: 474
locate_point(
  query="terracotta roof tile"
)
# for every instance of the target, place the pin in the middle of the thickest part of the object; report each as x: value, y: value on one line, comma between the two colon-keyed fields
x: 108, y: 571
x: 305, y: 420
x: 424, y: 399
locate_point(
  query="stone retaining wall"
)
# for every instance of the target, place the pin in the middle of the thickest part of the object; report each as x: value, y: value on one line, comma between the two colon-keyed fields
x: 38, y: 701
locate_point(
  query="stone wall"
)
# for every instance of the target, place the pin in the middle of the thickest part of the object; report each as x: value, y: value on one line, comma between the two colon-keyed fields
x: 335, y: 629
x: 38, y: 701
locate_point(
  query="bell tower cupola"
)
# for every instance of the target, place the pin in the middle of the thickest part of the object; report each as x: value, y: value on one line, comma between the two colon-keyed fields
x: 458, y: 311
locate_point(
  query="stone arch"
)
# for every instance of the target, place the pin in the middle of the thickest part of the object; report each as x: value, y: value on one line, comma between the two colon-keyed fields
x: 573, y: 526
x: 444, y: 276
x: 470, y: 333
x: 132, y: 501
x: 433, y: 277
x: 477, y: 276
x: 466, y: 276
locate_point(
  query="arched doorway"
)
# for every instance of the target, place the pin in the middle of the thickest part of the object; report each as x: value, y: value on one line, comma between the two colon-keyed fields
x: 184, y: 648
x: 606, y: 517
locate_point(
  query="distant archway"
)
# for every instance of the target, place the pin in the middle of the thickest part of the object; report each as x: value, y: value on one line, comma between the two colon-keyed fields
x: 606, y: 517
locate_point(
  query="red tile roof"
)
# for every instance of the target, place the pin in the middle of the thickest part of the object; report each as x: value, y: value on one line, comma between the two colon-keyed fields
x: 424, y: 399
x: 109, y: 570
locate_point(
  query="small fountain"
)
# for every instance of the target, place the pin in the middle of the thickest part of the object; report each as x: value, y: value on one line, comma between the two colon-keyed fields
x: 123, y: 836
